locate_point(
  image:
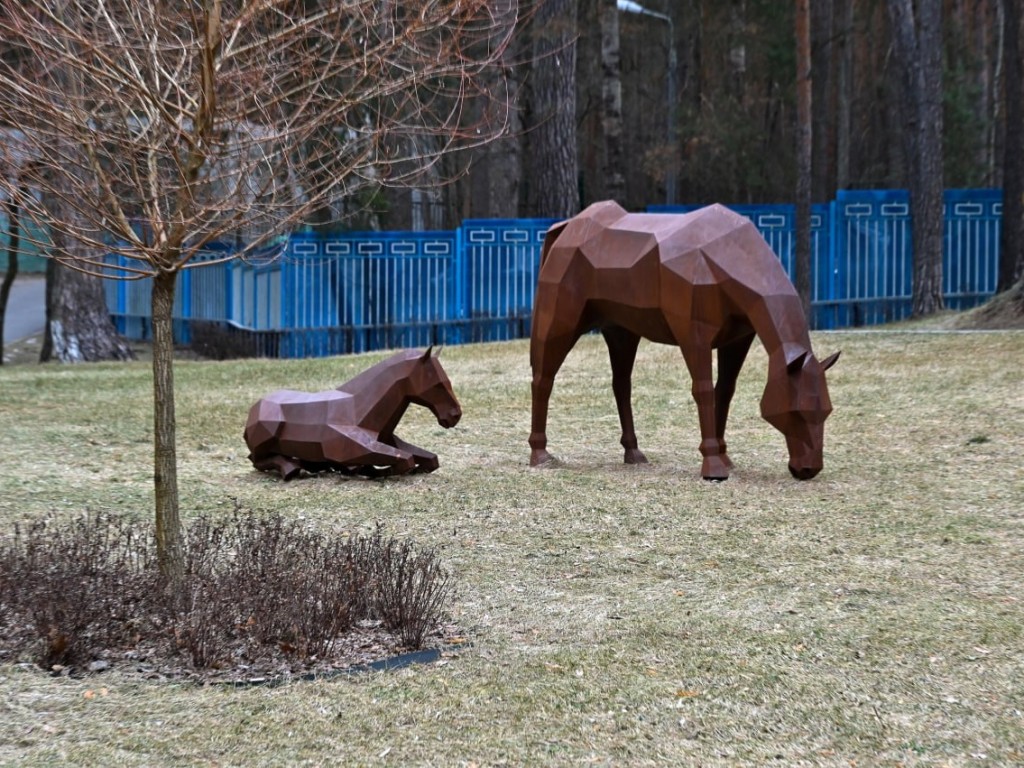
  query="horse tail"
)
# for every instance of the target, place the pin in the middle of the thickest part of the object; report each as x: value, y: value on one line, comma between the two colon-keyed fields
x: 549, y: 239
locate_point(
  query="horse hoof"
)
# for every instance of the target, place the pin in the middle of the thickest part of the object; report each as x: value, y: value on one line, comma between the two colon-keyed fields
x: 541, y: 458
x: 714, y: 469
x: 635, y: 456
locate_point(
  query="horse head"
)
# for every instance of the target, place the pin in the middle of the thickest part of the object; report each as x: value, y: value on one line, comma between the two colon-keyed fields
x: 429, y: 386
x: 796, y: 403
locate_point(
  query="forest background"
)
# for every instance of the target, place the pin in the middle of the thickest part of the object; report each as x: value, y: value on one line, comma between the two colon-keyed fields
x: 733, y: 113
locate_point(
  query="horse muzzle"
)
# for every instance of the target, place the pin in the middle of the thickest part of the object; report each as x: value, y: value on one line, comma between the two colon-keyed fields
x: 803, y: 473
x: 450, y: 418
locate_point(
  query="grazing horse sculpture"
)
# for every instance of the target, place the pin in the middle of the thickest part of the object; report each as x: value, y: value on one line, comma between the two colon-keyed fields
x: 703, y: 280
x: 351, y: 429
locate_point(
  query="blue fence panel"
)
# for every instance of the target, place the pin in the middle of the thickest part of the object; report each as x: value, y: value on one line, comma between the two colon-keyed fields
x: 874, y: 248
x: 323, y: 295
x: 970, y: 268
x: 366, y: 290
x: 500, y: 261
x: 874, y: 274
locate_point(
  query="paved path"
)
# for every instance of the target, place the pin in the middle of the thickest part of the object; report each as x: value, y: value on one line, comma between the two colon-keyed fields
x: 26, y: 308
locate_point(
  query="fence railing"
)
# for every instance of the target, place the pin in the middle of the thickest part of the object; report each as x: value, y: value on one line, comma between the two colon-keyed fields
x: 360, y: 291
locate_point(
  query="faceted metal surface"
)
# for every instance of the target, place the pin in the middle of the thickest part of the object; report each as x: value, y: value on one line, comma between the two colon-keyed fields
x: 702, y: 281
x: 351, y: 429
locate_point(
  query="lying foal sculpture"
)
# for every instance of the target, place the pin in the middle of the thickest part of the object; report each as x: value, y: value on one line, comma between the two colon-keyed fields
x: 351, y: 429
x: 703, y: 280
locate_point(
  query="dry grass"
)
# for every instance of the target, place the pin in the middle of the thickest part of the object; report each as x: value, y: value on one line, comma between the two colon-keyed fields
x: 618, y: 615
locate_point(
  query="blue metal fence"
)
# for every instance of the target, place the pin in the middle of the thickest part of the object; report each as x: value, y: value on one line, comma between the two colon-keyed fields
x: 361, y: 291
x: 861, y: 258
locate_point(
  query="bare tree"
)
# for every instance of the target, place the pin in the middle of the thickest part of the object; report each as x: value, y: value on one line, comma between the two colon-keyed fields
x: 158, y: 128
x: 917, y: 37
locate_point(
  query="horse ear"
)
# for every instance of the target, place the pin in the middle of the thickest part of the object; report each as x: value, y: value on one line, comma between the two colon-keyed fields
x: 829, y: 361
x: 426, y: 355
x: 795, y: 358
x: 439, y: 350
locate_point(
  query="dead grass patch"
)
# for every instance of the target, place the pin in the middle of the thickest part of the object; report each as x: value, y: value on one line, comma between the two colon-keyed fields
x: 618, y: 615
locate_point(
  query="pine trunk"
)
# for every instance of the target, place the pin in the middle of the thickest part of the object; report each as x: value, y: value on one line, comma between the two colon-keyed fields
x: 1011, y: 257
x: 78, y: 325
x: 823, y: 97
x: 165, y: 464
x: 804, y: 154
x: 553, y: 163
x: 918, y: 52
x: 844, y: 97
x: 613, y: 173
x: 504, y: 158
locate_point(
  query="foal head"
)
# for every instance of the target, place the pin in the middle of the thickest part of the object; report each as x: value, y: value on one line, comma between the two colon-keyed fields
x: 429, y: 386
x: 796, y: 403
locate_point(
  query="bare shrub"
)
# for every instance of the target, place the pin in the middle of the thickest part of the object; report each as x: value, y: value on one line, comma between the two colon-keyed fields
x: 256, y: 587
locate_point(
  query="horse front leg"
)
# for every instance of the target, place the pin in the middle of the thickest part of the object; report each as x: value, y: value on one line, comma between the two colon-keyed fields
x: 360, y: 451
x: 622, y: 346
x: 698, y: 361
x: 730, y: 360
x: 425, y: 460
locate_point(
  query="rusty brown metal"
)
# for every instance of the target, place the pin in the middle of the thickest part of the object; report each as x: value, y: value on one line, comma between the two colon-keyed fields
x: 702, y: 281
x: 351, y: 429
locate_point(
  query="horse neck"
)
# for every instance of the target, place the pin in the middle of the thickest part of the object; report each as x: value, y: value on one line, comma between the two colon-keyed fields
x: 382, y: 396
x: 781, y: 326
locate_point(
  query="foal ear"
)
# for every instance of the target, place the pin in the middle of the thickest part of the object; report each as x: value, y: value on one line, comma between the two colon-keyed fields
x: 829, y: 361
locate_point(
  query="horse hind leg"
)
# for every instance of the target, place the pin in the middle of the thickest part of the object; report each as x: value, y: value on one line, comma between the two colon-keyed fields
x: 552, y: 337
x: 285, y: 467
x: 622, y: 347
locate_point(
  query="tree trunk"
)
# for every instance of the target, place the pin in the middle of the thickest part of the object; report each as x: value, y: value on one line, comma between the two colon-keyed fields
x: 844, y: 95
x: 823, y: 97
x: 1011, y: 257
x: 918, y: 52
x: 503, y: 159
x: 78, y: 326
x: 13, y: 243
x: 804, y: 145
x: 553, y: 163
x: 165, y: 464
x: 612, y: 173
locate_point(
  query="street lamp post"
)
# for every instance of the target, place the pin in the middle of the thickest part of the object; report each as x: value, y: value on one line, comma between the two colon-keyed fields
x: 628, y: 6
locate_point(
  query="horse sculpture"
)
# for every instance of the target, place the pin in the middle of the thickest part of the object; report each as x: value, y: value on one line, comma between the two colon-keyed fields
x: 703, y: 280
x: 351, y: 429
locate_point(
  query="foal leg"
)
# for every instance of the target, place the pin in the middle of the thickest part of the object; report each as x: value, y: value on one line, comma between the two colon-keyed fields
x: 284, y: 466
x: 425, y: 460
x: 359, y: 448
x: 622, y: 346
x: 730, y: 360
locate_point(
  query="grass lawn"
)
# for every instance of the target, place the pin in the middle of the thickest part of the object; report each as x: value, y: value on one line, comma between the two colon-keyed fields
x: 617, y: 615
